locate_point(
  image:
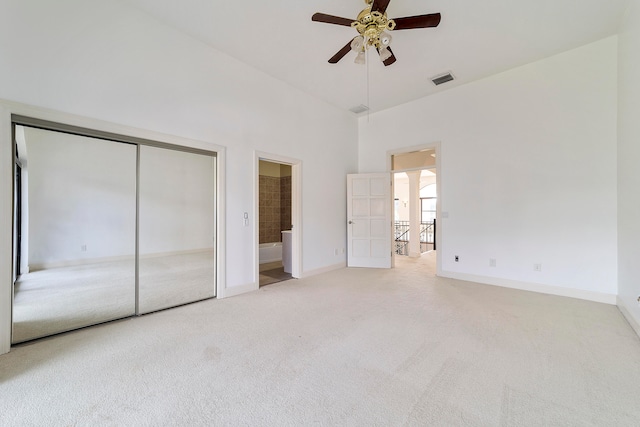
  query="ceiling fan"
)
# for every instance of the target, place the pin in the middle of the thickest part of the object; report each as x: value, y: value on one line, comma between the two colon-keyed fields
x: 372, y: 25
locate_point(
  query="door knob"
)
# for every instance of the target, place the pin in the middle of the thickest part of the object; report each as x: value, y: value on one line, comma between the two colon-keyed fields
x: 350, y: 222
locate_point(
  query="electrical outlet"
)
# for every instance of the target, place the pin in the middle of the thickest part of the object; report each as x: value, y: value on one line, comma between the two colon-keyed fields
x: 335, y: 251
x: 492, y: 262
x: 83, y: 248
x: 537, y: 267
x: 457, y: 258
x: 342, y: 251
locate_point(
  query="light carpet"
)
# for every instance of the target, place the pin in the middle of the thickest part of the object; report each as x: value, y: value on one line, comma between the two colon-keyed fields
x: 358, y: 347
x: 60, y: 299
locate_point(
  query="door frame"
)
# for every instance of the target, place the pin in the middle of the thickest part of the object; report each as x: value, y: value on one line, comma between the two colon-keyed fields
x: 296, y: 211
x: 430, y: 146
x: 17, y: 219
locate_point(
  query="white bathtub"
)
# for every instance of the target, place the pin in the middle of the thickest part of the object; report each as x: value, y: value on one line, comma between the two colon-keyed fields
x: 270, y: 252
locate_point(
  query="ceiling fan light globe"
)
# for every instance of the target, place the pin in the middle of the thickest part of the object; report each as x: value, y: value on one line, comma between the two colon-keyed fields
x: 357, y: 44
x: 385, y: 39
x: 384, y: 54
x: 360, y: 59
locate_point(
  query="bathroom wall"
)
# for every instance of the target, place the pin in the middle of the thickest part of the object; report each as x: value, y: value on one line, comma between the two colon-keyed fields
x: 275, y: 201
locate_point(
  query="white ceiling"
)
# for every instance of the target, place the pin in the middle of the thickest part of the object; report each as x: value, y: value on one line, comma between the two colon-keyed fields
x: 475, y: 39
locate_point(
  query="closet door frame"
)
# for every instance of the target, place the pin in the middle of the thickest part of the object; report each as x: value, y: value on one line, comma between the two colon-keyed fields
x: 11, y: 113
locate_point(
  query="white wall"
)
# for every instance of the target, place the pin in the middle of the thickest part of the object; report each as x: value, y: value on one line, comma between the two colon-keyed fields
x: 628, y: 161
x: 528, y: 173
x: 77, y: 199
x: 401, y: 192
x: 106, y: 61
x: 176, y: 201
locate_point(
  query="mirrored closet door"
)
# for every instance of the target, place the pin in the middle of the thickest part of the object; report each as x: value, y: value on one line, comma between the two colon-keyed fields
x: 77, y: 243
x: 176, y: 261
x: 106, y: 227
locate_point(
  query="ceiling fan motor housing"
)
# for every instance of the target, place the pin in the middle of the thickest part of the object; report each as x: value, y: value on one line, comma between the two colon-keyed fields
x: 371, y: 24
x: 373, y: 28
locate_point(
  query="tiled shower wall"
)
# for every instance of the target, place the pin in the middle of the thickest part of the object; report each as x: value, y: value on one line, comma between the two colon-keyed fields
x: 275, y: 207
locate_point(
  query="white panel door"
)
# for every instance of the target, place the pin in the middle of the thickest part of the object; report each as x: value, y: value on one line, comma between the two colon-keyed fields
x: 369, y: 220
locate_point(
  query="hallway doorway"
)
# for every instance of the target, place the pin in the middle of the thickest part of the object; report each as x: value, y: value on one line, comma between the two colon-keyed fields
x: 415, y: 204
x: 426, y: 202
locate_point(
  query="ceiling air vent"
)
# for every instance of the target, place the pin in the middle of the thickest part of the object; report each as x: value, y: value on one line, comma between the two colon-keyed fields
x: 359, y: 109
x: 438, y: 80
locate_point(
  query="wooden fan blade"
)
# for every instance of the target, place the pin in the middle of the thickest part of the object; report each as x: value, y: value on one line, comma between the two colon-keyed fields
x: 330, y: 19
x: 380, y: 5
x: 390, y: 60
x: 341, y: 53
x: 419, y: 21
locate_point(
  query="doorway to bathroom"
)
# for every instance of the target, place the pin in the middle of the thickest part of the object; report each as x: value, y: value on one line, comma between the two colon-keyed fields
x: 278, y: 233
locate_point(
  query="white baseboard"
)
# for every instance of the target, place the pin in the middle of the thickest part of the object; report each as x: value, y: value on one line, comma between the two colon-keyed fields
x: 174, y: 253
x: 326, y: 269
x: 635, y: 323
x: 250, y: 287
x: 534, y: 287
x: 89, y: 261
x: 78, y: 262
x: 237, y: 290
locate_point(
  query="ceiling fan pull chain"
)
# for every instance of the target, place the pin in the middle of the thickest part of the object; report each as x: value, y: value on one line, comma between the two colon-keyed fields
x: 368, y: 100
